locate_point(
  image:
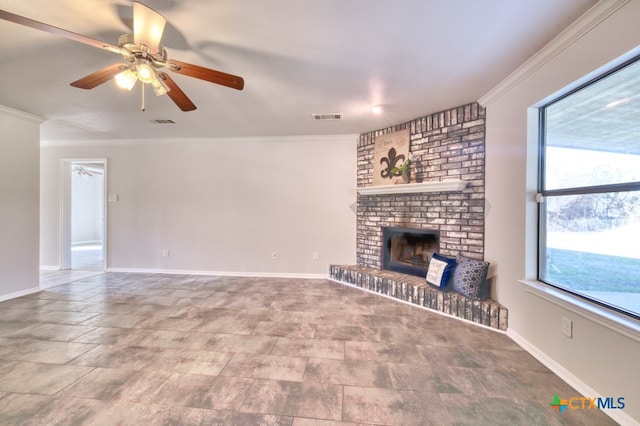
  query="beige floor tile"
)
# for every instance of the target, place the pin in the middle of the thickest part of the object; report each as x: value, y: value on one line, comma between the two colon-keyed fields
x: 285, y: 329
x: 113, y: 320
x: 30, y: 409
x: 438, y: 379
x: 393, y: 407
x: 38, y: 378
x: 117, y: 384
x: 348, y: 332
x: 314, y: 400
x: 176, y: 339
x: 189, y: 361
x: 113, y: 336
x: 118, y: 356
x: 124, y: 348
x: 313, y: 348
x: 200, y: 391
x: 47, y: 331
x: 261, y: 366
x: 348, y: 372
x: 44, y: 351
x: 202, y: 417
x: 241, y: 343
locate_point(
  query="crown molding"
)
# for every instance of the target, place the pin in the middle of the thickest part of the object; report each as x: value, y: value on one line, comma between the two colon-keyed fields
x: 583, y: 25
x: 21, y: 114
x: 212, y: 140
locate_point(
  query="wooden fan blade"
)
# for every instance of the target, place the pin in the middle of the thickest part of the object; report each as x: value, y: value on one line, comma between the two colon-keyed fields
x: 207, y: 74
x: 148, y: 26
x: 176, y: 94
x: 97, y: 78
x: 11, y: 17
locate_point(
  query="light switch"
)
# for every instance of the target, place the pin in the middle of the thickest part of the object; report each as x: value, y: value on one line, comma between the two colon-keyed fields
x: 113, y: 198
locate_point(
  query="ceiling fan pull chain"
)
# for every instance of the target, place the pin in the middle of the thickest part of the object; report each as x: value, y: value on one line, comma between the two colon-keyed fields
x: 142, y: 85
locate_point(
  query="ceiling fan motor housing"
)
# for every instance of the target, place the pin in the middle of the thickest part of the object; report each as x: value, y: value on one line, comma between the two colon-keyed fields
x: 132, y: 52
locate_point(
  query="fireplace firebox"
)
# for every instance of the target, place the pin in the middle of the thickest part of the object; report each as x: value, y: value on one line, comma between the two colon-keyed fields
x: 409, y: 250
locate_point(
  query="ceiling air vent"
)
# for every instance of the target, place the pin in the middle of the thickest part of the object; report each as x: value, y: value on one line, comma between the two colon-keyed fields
x: 335, y: 116
x: 163, y: 121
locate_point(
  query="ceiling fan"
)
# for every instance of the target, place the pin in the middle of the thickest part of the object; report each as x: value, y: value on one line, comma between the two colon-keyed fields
x: 144, y: 58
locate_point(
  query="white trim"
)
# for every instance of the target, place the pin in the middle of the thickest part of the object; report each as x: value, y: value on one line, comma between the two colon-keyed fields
x: 239, y: 139
x: 22, y: 114
x: 65, y: 243
x: 87, y: 242
x: 49, y: 267
x: 612, y: 320
x: 497, y: 330
x: 408, y: 188
x: 571, y: 379
x: 64, y: 226
x: 219, y: 273
x: 20, y: 293
x: 51, y: 284
x: 583, y: 25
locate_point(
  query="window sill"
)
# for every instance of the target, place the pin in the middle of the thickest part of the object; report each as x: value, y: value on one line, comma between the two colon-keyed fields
x: 615, y: 321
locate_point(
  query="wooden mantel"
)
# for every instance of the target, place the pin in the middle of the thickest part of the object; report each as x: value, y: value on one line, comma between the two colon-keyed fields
x: 408, y: 188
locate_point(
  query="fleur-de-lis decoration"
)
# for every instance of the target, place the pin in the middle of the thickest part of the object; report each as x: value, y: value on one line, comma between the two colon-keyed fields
x: 391, y: 161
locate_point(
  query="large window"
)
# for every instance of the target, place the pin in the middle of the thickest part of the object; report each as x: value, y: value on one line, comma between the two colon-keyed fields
x: 589, y: 228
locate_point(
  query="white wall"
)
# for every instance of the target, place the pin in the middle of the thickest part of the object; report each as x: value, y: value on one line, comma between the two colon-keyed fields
x: 602, y: 357
x: 219, y: 205
x: 19, y: 201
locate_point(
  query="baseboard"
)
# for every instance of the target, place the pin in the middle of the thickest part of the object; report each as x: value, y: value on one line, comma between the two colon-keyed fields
x: 219, y: 273
x: 49, y: 267
x: 571, y: 379
x: 46, y: 286
x: 20, y: 293
x: 87, y: 242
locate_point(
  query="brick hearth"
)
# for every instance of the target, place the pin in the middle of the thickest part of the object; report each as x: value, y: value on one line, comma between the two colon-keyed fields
x: 414, y: 290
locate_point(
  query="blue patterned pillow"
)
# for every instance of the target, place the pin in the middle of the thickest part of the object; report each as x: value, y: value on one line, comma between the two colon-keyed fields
x: 470, y: 278
x: 440, y: 271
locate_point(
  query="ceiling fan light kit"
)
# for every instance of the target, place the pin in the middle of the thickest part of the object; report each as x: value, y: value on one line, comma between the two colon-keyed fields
x: 144, y: 71
x: 160, y: 87
x: 144, y: 56
x: 126, y: 79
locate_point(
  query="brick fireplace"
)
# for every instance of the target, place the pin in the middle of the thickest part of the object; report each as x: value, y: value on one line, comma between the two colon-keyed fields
x: 448, y: 146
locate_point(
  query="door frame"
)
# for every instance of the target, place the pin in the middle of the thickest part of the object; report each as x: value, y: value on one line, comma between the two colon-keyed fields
x: 66, y: 165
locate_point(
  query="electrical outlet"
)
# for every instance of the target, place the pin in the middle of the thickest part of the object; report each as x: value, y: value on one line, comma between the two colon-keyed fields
x: 274, y: 255
x: 165, y: 253
x: 567, y: 327
x: 316, y: 256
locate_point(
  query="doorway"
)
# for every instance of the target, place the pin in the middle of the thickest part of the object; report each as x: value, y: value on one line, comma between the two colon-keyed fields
x: 83, y: 244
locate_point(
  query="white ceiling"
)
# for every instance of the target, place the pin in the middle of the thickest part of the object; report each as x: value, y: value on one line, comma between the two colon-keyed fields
x: 298, y: 57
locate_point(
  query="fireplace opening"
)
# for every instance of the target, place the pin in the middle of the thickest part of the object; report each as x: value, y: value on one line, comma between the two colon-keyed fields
x: 408, y: 250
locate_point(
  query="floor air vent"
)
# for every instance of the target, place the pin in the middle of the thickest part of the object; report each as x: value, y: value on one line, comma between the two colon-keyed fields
x: 163, y: 121
x: 336, y: 116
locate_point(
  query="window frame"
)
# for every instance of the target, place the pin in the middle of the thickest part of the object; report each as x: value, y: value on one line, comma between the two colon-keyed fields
x: 542, y: 193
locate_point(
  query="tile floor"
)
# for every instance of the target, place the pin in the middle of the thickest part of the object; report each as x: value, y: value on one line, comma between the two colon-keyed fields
x: 114, y: 348
x: 87, y: 257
